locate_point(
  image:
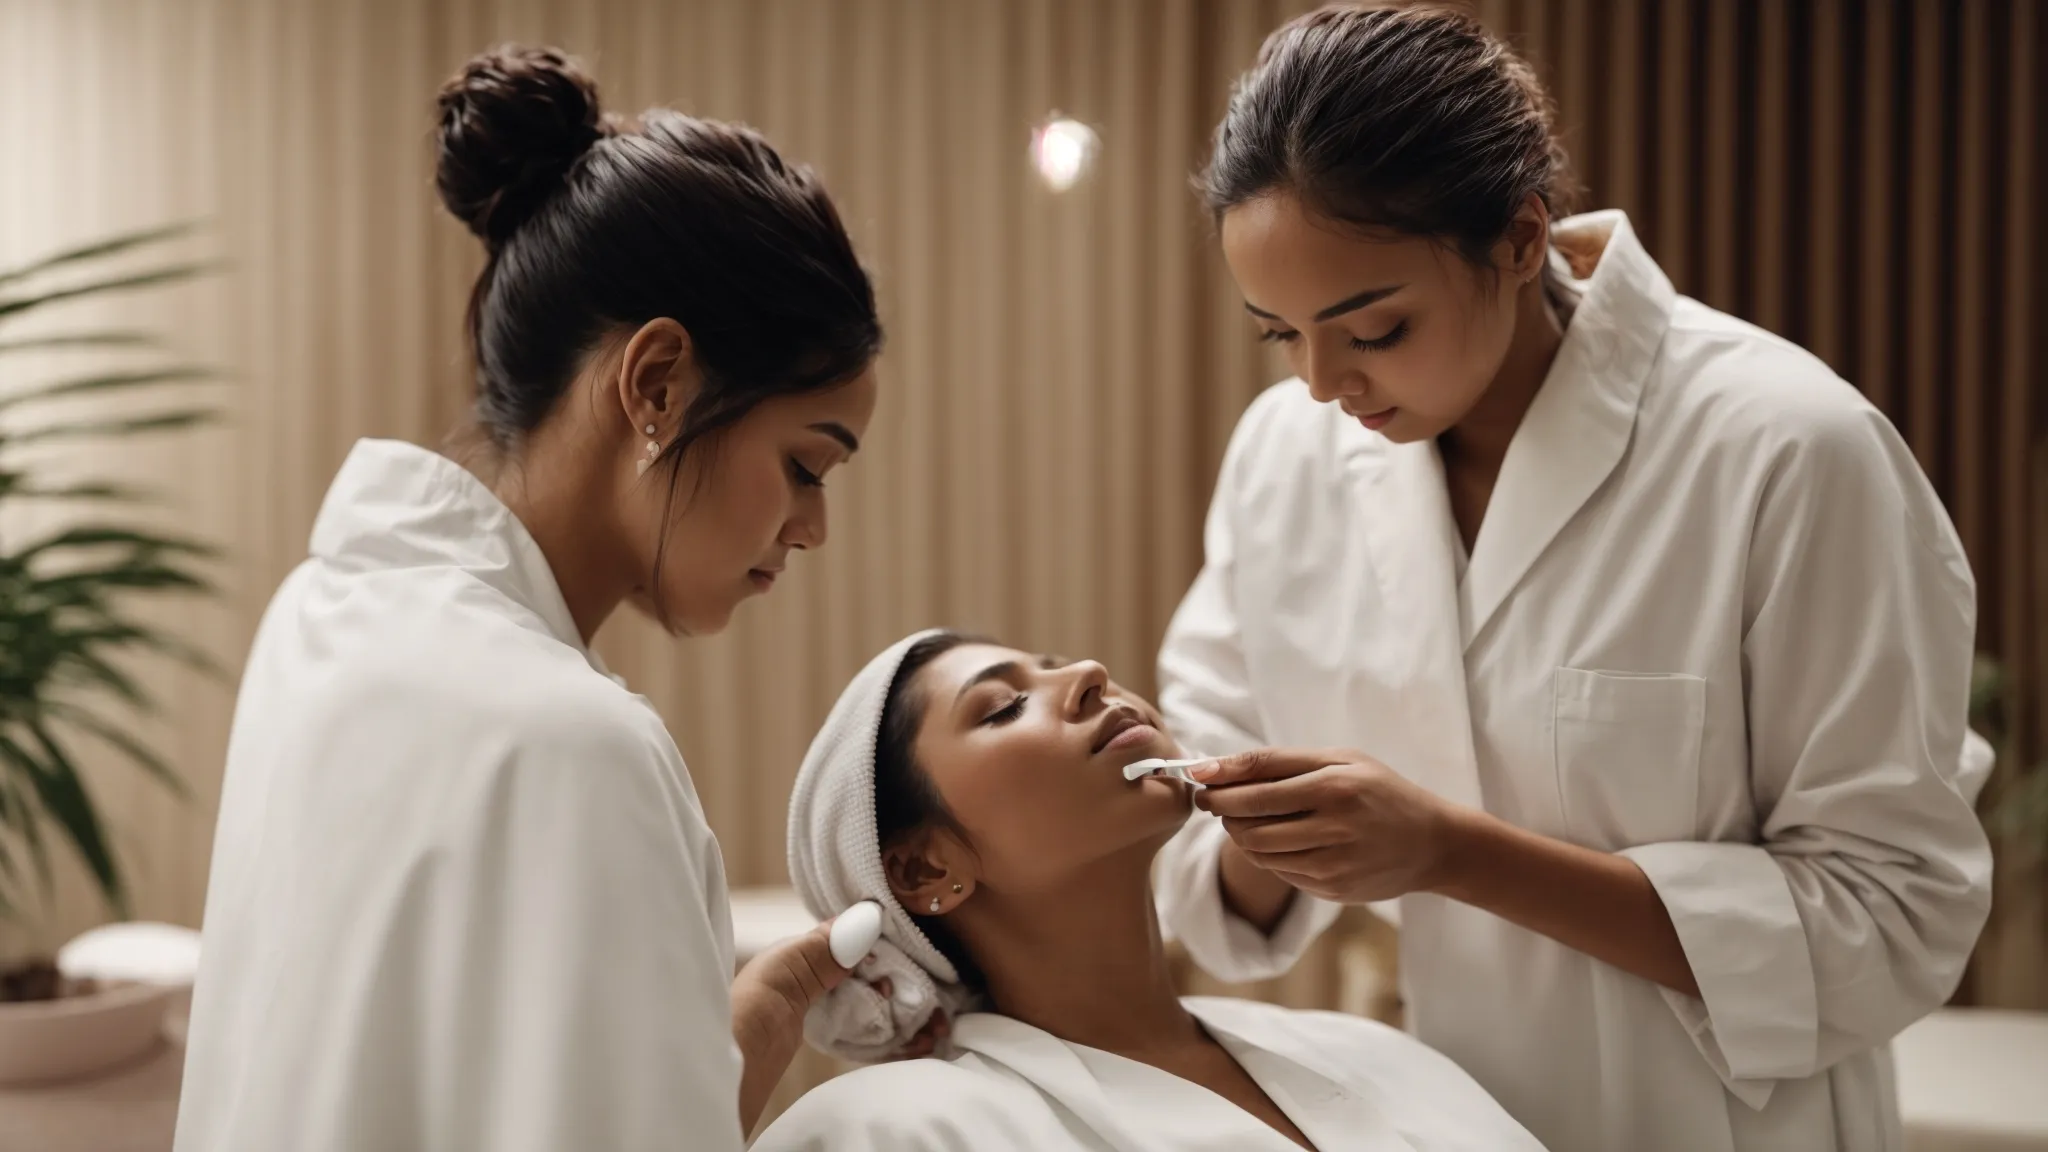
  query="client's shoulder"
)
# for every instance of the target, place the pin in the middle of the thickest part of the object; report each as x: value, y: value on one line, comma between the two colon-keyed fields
x: 925, y: 1105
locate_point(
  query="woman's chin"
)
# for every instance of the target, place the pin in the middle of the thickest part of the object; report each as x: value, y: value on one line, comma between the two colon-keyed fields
x: 686, y: 620
x: 1164, y: 799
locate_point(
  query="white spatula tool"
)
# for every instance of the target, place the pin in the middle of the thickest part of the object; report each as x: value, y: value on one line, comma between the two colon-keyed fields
x: 1178, y: 769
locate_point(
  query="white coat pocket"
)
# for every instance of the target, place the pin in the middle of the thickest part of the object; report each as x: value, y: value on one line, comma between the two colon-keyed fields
x: 1626, y: 747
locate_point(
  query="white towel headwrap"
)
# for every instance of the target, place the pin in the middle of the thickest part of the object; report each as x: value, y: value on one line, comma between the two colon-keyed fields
x: 835, y: 861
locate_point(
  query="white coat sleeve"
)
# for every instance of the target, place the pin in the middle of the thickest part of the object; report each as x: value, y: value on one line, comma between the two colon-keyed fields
x: 1205, y: 692
x: 1854, y: 913
x: 594, y: 992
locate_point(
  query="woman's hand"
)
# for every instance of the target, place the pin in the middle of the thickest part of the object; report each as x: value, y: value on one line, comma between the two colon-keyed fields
x: 1335, y: 824
x: 770, y: 996
x: 1348, y: 828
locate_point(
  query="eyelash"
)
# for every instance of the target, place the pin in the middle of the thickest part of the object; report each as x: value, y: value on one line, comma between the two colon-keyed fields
x: 1400, y: 333
x: 805, y: 476
x: 1007, y: 713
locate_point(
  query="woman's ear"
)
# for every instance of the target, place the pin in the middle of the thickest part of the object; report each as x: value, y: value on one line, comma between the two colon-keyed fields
x: 658, y: 377
x: 1526, y: 244
x: 931, y: 873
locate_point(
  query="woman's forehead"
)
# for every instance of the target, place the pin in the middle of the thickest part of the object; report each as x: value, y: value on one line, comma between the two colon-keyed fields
x: 955, y: 667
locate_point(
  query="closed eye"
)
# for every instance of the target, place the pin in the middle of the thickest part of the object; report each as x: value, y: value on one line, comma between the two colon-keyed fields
x: 1382, y: 343
x: 1376, y: 344
x: 804, y: 476
x: 1008, y: 713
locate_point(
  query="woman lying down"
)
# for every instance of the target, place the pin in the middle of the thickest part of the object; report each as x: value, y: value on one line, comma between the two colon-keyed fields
x: 977, y: 794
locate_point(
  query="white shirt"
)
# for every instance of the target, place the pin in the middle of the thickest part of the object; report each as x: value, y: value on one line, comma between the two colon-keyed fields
x: 463, y: 895
x: 1715, y: 620
x: 1349, y: 1085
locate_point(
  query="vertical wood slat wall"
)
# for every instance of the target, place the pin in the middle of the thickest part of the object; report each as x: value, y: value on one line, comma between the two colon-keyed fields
x: 1863, y: 177
x: 1858, y: 175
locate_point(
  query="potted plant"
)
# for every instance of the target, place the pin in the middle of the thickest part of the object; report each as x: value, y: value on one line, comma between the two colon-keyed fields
x: 2015, y: 807
x: 65, y: 629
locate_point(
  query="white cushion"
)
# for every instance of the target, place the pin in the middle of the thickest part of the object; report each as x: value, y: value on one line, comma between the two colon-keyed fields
x: 1975, y: 1080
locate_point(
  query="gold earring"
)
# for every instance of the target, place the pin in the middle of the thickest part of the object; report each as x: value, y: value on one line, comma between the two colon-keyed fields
x: 956, y: 889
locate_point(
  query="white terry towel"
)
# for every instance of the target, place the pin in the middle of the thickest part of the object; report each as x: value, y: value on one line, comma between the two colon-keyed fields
x: 835, y: 861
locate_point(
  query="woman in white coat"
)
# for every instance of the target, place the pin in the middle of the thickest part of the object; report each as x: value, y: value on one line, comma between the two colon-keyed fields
x: 977, y: 794
x: 463, y: 894
x: 1621, y: 642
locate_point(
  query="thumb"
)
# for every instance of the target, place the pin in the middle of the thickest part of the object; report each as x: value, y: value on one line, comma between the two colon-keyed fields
x: 1266, y: 764
x: 801, y: 969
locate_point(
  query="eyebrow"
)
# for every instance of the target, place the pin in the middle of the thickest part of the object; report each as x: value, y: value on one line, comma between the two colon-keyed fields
x: 839, y: 432
x: 1000, y: 670
x: 1348, y: 304
x: 1003, y: 670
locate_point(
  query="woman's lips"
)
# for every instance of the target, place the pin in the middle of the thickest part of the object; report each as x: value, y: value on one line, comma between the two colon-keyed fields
x: 1137, y: 735
x: 1378, y: 420
x: 761, y: 579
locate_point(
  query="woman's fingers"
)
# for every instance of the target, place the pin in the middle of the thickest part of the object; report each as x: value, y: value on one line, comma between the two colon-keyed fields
x: 1267, y: 764
x: 1296, y: 833
x: 1279, y: 798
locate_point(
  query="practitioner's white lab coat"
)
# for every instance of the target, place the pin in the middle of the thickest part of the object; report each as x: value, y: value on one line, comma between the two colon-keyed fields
x: 1717, y: 621
x: 1349, y: 1085
x: 463, y: 895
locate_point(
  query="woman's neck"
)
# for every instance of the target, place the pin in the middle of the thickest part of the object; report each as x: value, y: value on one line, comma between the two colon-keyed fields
x: 553, y: 504
x: 1479, y: 442
x: 1085, y: 963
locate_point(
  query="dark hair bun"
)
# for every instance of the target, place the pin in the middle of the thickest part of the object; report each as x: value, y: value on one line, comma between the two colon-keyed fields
x: 513, y: 122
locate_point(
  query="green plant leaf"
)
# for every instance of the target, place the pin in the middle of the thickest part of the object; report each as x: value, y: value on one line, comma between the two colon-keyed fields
x: 166, y: 275
x: 107, y: 535
x: 2021, y: 812
x: 112, y: 338
x: 10, y: 819
x: 93, y: 671
x: 128, y: 573
x: 127, y: 241
x: 61, y: 789
x: 76, y: 645
x: 26, y: 767
x: 149, y: 761
x: 110, y: 493
x: 128, y: 426
x: 108, y: 382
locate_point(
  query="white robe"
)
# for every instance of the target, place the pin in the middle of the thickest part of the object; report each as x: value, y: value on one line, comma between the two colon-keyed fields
x: 1717, y: 621
x: 463, y: 895
x: 1349, y: 1085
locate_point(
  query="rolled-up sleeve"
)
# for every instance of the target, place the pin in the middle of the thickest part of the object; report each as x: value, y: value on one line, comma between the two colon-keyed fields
x: 1205, y: 691
x: 1228, y: 947
x: 1855, y: 911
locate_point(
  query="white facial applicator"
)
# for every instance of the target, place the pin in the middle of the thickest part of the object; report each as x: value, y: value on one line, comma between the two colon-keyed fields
x: 1178, y: 769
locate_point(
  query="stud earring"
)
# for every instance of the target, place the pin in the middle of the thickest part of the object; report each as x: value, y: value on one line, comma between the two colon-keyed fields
x: 650, y: 431
x: 956, y: 889
x: 935, y: 904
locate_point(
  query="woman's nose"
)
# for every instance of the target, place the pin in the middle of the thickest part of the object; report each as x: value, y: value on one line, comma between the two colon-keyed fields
x: 1330, y: 376
x: 807, y: 528
x: 1086, y: 680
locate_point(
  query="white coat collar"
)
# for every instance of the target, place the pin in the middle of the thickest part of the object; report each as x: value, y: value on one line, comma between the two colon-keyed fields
x: 1338, y: 1118
x: 395, y: 505
x: 1580, y: 423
